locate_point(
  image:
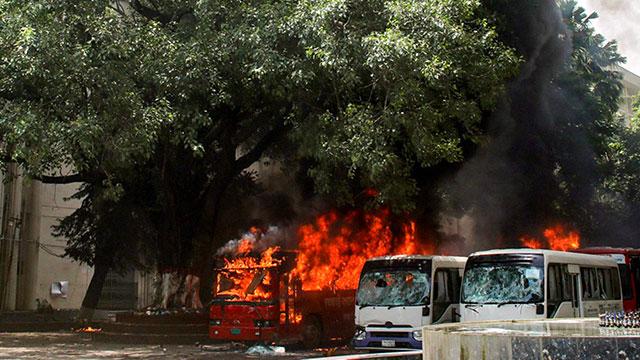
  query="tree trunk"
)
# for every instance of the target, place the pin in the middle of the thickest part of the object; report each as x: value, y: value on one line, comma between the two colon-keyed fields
x: 203, y: 241
x: 92, y: 296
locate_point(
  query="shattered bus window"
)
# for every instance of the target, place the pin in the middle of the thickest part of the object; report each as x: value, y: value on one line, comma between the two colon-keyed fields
x: 502, y: 283
x: 393, y: 288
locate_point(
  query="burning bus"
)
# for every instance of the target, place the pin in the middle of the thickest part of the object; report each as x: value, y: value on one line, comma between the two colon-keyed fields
x: 260, y: 299
x: 308, y: 294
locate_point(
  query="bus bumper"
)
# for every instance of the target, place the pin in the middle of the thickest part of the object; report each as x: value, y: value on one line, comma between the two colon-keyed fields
x: 375, y: 341
x: 237, y: 333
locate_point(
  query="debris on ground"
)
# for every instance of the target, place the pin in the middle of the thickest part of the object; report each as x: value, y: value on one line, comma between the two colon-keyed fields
x: 234, y: 346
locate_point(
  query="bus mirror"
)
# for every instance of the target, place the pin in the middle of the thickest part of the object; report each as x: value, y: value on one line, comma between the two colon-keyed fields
x: 573, y: 269
x: 425, y: 311
x: 539, y: 309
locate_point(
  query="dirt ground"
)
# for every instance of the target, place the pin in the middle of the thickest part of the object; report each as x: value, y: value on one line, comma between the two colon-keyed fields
x: 66, y: 345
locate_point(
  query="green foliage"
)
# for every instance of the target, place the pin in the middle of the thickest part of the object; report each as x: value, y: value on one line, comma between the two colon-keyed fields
x: 620, y: 190
x: 161, y: 105
x: 158, y: 95
x: 404, y: 84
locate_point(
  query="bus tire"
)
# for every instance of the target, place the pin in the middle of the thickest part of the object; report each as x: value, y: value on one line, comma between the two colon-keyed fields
x: 311, y: 332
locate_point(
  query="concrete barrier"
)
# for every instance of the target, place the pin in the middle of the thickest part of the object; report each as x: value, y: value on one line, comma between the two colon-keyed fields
x: 531, y: 340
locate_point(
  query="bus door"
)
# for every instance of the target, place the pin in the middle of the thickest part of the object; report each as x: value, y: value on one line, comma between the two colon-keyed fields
x: 445, y: 297
x: 561, y: 300
x: 573, y: 272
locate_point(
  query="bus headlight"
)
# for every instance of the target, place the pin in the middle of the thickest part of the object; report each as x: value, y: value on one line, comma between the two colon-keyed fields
x: 215, y: 322
x: 417, y: 335
x: 360, y: 335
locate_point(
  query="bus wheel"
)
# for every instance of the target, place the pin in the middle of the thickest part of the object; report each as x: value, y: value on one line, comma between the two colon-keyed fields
x: 311, y: 332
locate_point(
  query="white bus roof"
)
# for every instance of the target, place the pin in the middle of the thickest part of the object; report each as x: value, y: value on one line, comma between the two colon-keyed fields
x: 556, y: 256
x: 420, y: 257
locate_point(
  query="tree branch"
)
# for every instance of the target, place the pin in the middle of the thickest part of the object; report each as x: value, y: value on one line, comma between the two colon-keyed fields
x: 154, y: 14
x: 256, y: 152
x: 150, y: 13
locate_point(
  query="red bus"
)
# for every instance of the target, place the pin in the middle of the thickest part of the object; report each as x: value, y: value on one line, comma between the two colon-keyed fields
x: 267, y: 304
x: 628, y: 260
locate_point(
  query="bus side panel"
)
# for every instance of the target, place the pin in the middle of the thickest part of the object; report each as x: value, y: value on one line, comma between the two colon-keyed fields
x: 333, y: 309
x: 593, y: 308
x: 565, y: 310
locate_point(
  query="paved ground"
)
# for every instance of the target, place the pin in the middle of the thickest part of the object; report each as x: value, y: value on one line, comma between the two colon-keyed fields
x: 65, y: 345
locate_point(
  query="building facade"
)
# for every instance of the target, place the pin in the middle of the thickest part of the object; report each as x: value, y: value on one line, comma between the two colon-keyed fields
x: 32, y: 266
x: 630, y: 89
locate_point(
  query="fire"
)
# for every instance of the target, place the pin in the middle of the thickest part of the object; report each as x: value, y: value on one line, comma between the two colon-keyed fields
x: 246, y: 243
x: 330, y: 253
x: 530, y: 242
x: 247, y: 278
x: 332, y: 250
x: 557, y: 237
x: 88, y: 329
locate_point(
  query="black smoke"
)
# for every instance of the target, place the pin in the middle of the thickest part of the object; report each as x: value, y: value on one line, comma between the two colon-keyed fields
x: 538, y: 164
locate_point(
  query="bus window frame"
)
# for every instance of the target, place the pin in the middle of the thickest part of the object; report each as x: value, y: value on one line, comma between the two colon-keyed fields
x: 565, y: 289
x: 593, y: 282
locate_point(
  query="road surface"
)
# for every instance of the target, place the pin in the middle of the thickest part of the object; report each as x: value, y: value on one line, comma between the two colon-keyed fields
x: 68, y: 345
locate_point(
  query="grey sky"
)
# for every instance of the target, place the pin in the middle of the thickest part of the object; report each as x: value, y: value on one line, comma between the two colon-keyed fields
x: 619, y: 20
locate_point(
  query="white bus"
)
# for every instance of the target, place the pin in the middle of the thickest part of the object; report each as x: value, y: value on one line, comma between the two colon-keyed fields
x: 397, y: 295
x: 520, y: 284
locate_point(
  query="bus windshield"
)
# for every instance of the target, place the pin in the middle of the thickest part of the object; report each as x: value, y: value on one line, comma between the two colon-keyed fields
x: 393, y: 287
x: 502, y: 283
x: 244, y: 285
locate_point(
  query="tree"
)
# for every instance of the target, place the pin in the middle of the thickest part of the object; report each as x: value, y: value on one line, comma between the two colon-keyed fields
x: 407, y: 92
x: 132, y: 96
x: 619, y: 190
x: 160, y: 106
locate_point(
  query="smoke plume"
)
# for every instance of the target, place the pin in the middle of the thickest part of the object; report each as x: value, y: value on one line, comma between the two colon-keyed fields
x: 510, y: 185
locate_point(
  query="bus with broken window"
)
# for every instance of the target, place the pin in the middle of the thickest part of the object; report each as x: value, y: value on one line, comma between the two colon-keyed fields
x: 260, y: 299
x: 628, y: 260
x: 398, y: 295
x: 522, y: 284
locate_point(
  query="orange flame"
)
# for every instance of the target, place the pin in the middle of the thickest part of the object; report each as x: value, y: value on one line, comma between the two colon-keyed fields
x: 88, y: 329
x: 530, y: 242
x: 332, y: 251
x: 557, y: 237
x: 247, y: 278
x: 330, y: 254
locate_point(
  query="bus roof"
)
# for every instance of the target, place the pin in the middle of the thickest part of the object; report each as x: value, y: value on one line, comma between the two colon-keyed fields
x: 420, y: 257
x: 556, y: 256
x: 608, y: 250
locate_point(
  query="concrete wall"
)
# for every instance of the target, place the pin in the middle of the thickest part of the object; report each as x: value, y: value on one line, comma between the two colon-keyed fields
x: 52, y: 206
x: 36, y: 262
